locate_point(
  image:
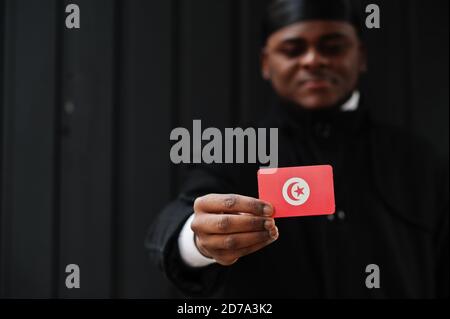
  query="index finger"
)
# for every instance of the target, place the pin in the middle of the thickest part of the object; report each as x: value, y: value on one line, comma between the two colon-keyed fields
x: 232, y: 203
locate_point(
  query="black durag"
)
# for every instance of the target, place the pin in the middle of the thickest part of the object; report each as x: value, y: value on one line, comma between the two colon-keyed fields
x: 282, y: 13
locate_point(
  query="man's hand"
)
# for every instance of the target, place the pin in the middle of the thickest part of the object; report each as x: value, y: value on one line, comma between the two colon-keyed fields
x: 228, y: 227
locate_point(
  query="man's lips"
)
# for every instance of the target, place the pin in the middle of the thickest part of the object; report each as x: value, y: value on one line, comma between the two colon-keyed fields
x: 315, y: 84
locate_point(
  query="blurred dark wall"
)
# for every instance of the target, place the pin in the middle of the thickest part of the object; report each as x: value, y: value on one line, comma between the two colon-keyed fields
x: 86, y: 116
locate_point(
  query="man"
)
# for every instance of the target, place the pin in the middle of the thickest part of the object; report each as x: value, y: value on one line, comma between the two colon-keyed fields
x: 217, y: 239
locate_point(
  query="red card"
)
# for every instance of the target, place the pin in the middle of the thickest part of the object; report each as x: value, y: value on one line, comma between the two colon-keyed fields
x: 298, y: 191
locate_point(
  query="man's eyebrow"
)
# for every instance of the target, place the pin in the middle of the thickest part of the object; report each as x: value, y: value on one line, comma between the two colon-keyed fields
x: 294, y: 40
x: 326, y: 37
x: 333, y: 36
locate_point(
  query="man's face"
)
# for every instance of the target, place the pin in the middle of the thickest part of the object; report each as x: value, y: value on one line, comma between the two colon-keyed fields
x: 314, y: 64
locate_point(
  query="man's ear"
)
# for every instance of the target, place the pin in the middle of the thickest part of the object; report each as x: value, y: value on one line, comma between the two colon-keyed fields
x: 265, y: 70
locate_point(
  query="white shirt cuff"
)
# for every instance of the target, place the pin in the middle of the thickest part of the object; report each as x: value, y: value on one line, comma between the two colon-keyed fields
x: 188, y: 250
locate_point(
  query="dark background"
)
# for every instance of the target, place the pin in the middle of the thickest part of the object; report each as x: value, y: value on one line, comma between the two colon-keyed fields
x: 86, y: 116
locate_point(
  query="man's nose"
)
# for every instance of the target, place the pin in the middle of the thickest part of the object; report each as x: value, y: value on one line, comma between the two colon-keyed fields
x: 312, y: 59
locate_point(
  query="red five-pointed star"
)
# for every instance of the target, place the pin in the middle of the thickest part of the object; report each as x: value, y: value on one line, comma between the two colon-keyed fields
x: 299, y: 191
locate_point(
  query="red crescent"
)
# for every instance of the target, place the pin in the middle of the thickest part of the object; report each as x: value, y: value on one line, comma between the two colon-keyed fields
x: 289, y: 191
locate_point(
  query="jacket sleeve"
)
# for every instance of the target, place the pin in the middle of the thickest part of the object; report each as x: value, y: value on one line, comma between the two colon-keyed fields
x: 162, y: 239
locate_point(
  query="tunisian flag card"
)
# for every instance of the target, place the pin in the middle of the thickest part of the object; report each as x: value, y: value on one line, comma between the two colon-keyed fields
x: 298, y: 191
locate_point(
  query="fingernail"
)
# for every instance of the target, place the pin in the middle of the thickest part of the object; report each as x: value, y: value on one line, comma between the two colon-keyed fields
x: 267, y: 210
x: 269, y: 224
x: 274, y: 233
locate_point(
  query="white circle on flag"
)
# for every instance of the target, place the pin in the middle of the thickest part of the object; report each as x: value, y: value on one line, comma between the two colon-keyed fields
x: 296, y: 191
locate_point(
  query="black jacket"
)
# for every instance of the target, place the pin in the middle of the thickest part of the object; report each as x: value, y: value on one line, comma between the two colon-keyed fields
x: 392, y: 197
